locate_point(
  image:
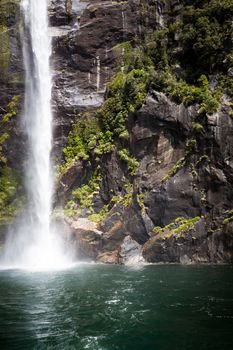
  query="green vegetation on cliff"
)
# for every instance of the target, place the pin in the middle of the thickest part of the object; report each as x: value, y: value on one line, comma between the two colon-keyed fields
x: 4, y: 49
x: 100, y: 134
x: 189, y: 60
x: 10, y: 111
x: 176, y: 229
x: 9, y: 203
x: 9, y: 182
x: 206, y: 37
x: 9, y: 16
x: 229, y: 217
x: 126, y: 93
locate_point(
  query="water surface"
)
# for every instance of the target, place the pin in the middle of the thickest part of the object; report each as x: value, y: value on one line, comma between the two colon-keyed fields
x: 113, y: 307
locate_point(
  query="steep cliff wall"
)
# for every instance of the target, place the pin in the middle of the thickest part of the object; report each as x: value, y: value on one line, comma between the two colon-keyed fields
x: 155, y: 162
x: 11, y: 73
x: 11, y: 91
x: 143, y: 127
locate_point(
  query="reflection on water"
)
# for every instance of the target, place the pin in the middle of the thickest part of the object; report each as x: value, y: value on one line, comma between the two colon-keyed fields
x: 113, y: 307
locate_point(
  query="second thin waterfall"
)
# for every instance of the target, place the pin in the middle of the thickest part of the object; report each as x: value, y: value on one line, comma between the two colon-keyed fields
x: 36, y: 244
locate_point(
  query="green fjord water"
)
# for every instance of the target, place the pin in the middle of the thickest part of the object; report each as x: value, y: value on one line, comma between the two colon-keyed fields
x: 114, y: 307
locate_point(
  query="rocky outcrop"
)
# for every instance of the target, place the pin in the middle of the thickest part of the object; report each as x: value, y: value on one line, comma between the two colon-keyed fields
x: 159, y: 135
x: 196, y: 245
x: 87, y: 238
x: 186, y: 191
x: 200, y: 183
x: 77, y: 174
x: 105, y: 243
x: 61, y: 12
x: 131, y: 252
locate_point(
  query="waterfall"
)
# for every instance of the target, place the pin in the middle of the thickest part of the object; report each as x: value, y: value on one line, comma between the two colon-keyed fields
x: 38, y: 115
x: 97, y: 73
x: 35, y: 244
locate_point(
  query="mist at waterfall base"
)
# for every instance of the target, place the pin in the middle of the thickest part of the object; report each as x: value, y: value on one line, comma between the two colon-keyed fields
x: 101, y: 307
x: 34, y: 243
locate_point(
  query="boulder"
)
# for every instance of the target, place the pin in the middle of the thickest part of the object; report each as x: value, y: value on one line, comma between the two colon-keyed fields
x: 109, y: 257
x: 86, y: 237
x: 131, y: 252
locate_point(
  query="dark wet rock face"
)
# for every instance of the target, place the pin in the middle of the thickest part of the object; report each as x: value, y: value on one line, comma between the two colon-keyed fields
x: 190, y: 205
x: 181, y: 247
x: 75, y: 176
x: 86, y: 54
x: 11, y: 62
x: 86, y: 51
x: 194, y: 246
x: 60, y: 12
x: 173, y: 182
x: 201, y: 186
x: 11, y: 79
x: 159, y: 134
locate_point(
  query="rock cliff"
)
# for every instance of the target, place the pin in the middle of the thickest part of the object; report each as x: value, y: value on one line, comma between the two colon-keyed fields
x: 143, y: 135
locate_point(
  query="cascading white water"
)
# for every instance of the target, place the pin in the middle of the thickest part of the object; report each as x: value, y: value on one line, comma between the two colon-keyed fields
x: 35, y: 244
x: 38, y: 115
